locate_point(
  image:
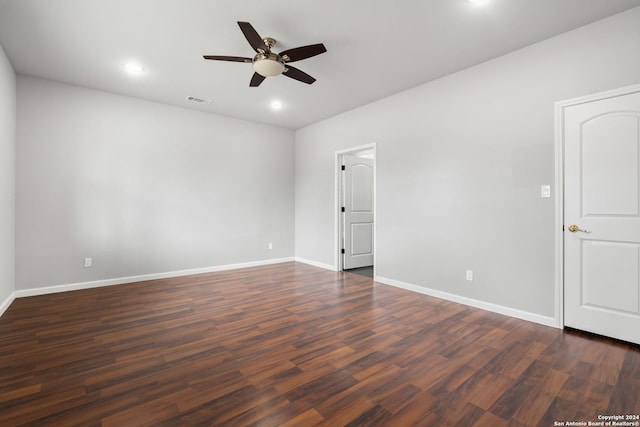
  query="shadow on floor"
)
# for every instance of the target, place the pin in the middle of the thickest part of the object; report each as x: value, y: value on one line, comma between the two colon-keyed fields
x: 362, y: 271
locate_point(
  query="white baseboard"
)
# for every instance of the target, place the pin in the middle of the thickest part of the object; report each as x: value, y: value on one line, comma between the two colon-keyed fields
x: 524, y: 315
x: 316, y: 264
x: 500, y: 309
x: 7, y: 303
x: 143, y: 277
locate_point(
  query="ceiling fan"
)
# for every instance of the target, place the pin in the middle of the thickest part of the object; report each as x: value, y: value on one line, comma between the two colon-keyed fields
x: 269, y: 64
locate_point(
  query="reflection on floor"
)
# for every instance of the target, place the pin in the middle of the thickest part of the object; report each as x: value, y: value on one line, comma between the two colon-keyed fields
x: 362, y: 271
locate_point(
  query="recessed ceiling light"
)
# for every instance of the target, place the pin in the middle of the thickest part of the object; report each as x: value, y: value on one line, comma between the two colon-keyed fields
x: 478, y: 2
x: 276, y: 105
x: 133, y: 68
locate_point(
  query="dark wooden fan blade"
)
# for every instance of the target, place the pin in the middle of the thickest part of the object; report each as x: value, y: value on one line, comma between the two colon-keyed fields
x: 256, y: 80
x: 227, y: 58
x: 303, y: 52
x: 253, y: 37
x: 296, y: 74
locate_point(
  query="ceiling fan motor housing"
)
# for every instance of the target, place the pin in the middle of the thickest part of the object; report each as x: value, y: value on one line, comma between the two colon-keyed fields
x: 268, y: 64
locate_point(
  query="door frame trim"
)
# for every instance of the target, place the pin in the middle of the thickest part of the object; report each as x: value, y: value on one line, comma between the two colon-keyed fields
x: 337, y: 205
x: 560, y: 107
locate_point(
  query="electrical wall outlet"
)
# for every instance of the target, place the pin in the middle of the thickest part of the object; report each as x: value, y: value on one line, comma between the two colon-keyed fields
x: 88, y: 262
x: 470, y: 275
x: 545, y: 191
x: 270, y: 245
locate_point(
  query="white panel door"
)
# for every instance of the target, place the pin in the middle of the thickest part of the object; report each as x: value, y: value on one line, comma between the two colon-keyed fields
x: 602, y: 216
x: 358, y: 215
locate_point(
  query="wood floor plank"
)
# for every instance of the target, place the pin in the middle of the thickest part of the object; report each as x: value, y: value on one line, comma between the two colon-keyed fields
x: 489, y: 420
x: 308, y: 418
x: 559, y: 410
x: 295, y: 345
x: 493, y: 387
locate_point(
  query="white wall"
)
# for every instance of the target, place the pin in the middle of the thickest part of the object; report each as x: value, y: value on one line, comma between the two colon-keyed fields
x: 7, y: 179
x: 142, y: 187
x: 460, y: 162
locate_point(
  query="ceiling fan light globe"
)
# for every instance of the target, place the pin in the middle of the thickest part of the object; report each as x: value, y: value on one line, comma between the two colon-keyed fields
x: 268, y: 65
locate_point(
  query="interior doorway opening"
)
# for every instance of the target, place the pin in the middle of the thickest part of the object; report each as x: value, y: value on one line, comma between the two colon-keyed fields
x: 355, y: 207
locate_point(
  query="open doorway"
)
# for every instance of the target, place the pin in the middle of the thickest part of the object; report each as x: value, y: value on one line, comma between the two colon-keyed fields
x: 356, y: 210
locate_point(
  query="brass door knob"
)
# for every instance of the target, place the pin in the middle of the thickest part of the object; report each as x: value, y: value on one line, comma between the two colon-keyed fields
x: 573, y: 228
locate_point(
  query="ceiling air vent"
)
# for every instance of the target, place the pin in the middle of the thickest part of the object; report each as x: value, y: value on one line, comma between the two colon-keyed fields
x: 198, y: 100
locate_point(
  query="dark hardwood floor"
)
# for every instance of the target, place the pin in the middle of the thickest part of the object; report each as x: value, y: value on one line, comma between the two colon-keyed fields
x: 294, y: 345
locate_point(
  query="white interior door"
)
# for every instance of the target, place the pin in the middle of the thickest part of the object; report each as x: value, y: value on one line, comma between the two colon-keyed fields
x: 602, y: 216
x: 358, y: 215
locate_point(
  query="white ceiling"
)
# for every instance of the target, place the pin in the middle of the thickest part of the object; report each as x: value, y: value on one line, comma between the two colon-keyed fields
x: 375, y: 48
